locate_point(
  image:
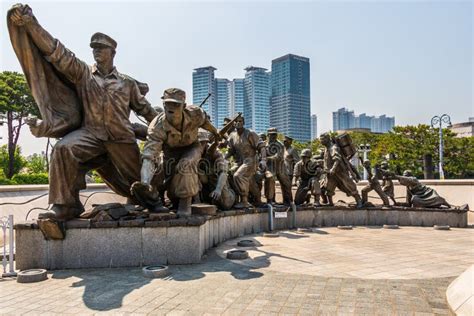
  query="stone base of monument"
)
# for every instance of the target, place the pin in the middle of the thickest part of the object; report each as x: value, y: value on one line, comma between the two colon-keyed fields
x: 184, y: 240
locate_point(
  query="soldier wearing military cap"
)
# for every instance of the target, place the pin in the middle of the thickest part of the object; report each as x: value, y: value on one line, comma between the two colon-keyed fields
x: 276, y: 169
x: 291, y: 156
x: 307, y: 175
x: 105, y: 96
x: 175, y: 134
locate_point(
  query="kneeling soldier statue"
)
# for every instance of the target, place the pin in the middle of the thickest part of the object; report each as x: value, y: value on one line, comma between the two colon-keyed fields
x: 175, y: 133
x: 307, y: 173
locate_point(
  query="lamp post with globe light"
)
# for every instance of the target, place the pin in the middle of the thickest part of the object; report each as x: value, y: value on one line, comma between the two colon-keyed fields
x: 437, y: 121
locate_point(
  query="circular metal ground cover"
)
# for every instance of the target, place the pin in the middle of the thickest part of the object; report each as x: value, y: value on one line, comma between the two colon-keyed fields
x: 344, y: 227
x: 246, y: 243
x: 158, y: 271
x: 441, y: 227
x: 271, y: 235
x: 32, y: 275
x: 237, y: 254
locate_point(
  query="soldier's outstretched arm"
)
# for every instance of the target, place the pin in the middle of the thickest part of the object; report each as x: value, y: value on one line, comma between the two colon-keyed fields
x: 62, y: 59
x: 23, y: 16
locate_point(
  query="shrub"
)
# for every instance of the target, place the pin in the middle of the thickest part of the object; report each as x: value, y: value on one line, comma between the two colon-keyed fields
x: 33, y: 178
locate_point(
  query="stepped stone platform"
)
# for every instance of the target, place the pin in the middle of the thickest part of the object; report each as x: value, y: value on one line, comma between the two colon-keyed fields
x: 184, y: 241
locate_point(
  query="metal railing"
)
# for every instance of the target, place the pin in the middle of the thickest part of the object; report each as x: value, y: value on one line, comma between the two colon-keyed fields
x: 7, y: 226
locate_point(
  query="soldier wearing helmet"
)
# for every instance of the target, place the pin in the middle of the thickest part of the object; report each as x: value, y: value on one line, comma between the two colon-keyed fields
x: 307, y: 174
x: 374, y: 184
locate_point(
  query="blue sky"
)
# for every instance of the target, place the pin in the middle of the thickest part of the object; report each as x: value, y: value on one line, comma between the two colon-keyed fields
x: 411, y: 60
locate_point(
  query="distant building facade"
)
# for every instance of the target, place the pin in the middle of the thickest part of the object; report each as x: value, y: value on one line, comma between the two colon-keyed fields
x: 257, y: 99
x: 280, y: 98
x: 314, y: 126
x: 465, y: 129
x: 203, y: 84
x: 290, y: 97
x: 344, y: 119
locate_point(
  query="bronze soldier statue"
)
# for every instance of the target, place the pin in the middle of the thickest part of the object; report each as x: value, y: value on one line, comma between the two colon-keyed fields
x: 244, y: 146
x: 291, y: 157
x: 337, y: 172
x: 175, y: 134
x: 102, y: 135
x: 276, y: 169
x: 374, y: 184
x: 387, y: 183
x: 307, y: 174
x: 418, y: 194
x: 213, y: 170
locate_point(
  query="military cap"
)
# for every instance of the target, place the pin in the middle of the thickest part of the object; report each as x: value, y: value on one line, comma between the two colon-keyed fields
x: 288, y: 138
x: 272, y: 130
x: 101, y: 39
x: 174, y: 95
x: 262, y: 135
x: 306, y: 153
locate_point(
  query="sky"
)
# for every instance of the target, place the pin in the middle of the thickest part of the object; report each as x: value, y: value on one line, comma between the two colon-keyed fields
x: 407, y: 59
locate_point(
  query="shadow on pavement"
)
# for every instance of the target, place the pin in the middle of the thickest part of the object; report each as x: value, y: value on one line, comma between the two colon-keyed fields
x: 104, y: 289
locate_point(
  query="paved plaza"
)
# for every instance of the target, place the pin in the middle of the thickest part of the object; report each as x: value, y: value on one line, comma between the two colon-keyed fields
x: 329, y: 271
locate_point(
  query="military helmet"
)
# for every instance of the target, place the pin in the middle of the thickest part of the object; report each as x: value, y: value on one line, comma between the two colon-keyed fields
x: 306, y: 153
x: 272, y: 130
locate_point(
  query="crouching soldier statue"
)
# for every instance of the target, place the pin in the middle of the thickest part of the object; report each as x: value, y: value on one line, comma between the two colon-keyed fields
x: 175, y: 134
x: 213, y: 170
x: 374, y: 184
x: 307, y: 173
x: 337, y: 172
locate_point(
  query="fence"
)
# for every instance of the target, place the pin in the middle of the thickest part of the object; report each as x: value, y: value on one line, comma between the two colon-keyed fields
x: 7, y: 229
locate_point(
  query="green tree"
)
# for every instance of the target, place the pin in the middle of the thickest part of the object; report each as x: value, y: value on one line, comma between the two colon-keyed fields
x: 16, y: 103
x: 37, y: 163
x: 18, y: 161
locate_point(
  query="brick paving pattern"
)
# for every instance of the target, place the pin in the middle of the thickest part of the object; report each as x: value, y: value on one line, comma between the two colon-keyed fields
x: 221, y: 286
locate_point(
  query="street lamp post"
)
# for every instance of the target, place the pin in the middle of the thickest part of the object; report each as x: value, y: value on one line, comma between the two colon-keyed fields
x: 365, y: 148
x: 437, y: 121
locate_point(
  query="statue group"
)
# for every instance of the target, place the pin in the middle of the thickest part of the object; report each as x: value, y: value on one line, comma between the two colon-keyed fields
x: 88, y: 107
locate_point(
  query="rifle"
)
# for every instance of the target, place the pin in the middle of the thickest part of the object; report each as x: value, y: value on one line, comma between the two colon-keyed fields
x: 204, y: 101
x: 222, y: 133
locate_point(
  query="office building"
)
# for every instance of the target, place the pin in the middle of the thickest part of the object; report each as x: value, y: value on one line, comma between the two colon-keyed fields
x: 236, y: 97
x: 223, y: 99
x: 343, y: 119
x: 314, y: 126
x: 203, y: 84
x: 257, y: 99
x: 290, y: 97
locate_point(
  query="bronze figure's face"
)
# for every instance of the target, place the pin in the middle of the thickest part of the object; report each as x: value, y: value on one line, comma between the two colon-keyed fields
x: 173, y: 110
x: 239, y: 123
x: 325, y: 139
x: 103, y: 54
x: 272, y: 137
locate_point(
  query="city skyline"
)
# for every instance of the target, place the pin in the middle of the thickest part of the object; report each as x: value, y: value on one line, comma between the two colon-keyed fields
x: 345, y: 119
x: 416, y: 63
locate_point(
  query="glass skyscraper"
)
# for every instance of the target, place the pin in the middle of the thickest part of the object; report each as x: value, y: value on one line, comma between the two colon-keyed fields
x: 223, y: 87
x: 257, y: 99
x: 290, y: 97
x: 236, y: 97
x: 203, y: 84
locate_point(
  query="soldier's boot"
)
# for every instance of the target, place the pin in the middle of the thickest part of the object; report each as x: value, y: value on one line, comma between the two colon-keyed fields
x: 63, y: 212
x: 330, y: 202
x: 184, y: 207
x: 316, y: 201
x: 244, y: 202
x: 325, y: 199
x: 359, y: 203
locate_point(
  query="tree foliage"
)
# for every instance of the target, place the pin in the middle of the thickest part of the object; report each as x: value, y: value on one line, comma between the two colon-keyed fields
x: 16, y: 103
